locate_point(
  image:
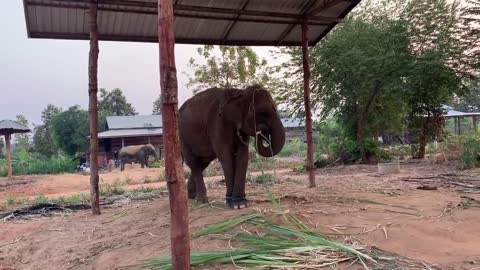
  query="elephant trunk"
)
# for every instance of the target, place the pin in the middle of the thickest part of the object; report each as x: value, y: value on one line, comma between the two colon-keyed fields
x: 276, y: 134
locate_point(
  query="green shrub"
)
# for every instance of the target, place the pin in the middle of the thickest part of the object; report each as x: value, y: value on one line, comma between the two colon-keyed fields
x: 157, y: 164
x: 296, y: 147
x: 471, y: 152
x: 23, y: 165
x: 266, y: 178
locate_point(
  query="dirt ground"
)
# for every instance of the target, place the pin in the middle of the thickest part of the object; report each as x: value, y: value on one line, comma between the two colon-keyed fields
x: 439, y: 227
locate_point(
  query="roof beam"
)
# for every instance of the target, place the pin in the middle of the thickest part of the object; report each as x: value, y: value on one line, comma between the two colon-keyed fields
x: 177, y: 14
x: 327, y: 4
x: 227, y: 32
x: 205, y: 9
x: 290, y: 28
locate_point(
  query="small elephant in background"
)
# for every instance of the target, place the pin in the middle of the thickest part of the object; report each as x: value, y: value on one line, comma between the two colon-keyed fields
x: 218, y: 123
x: 136, y: 153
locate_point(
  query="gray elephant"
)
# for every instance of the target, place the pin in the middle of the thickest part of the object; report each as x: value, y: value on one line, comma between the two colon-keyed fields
x: 136, y: 153
x: 218, y: 123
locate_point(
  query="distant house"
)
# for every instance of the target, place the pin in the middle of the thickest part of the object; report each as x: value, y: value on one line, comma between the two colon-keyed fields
x: 294, y: 128
x: 130, y: 130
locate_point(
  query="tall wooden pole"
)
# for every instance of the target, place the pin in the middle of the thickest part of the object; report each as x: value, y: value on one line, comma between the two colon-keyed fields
x: 179, y: 233
x: 308, y: 109
x: 92, y: 108
x: 8, y: 155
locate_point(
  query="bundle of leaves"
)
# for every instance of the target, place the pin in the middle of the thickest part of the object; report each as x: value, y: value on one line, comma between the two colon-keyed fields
x: 277, y: 245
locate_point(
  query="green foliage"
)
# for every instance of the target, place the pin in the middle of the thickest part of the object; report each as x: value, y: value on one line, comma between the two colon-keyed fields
x: 108, y: 189
x: 114, y: 103
x: 2, y: 146
x: 22, y: 140
x: 227, y: 67
x: 264, y: 178
x: 157, y: 164
x: 157, y: 106
x: 41, y: 199
x: 23, y: 164
x: 471, y: 152
x: 71, y: 129
x: 43, y: 137
x: 296, y: 147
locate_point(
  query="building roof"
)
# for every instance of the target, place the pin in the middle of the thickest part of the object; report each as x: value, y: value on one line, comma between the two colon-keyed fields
x: 292, y: 123
x: 124, y: 133
x: 450, y: 112
x: 215, y: 22
x: 134, y: 122
x: 11, y: 127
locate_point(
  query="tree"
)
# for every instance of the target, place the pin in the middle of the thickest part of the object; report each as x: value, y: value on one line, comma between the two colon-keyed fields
x: 356, y: 73
x: 430, y: 85
x: 114, y: 103
x: 43, y: 138
x: 469, y: 102
x: 22, y: 140
x: 71, y: 129
x: 157, y: 106
x: 436, y: 72
x: 227, y: 67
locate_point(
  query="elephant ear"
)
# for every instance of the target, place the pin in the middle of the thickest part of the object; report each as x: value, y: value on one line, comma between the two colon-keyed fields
x: 233, y: 108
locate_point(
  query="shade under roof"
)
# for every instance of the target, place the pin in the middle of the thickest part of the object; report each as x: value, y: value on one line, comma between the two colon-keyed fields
x: 216, y: 22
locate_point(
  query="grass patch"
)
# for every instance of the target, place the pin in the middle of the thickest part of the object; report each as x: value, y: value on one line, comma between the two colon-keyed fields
x: 24, y: 165
x: 277, y: 245
x: 107, y: 190
x: 265, y: 178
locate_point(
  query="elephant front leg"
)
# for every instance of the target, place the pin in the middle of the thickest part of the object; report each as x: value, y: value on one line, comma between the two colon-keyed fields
x: 122, y: 165
x: 239, y: 199
x: 227, y: 160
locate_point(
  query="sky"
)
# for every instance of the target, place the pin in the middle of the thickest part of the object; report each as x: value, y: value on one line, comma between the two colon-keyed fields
x: 38, y: 72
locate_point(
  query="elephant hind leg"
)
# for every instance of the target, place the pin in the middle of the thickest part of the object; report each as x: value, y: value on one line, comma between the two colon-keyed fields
x: 196, y: 185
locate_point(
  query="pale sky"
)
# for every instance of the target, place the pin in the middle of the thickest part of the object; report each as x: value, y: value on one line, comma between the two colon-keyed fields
x: 36, y: 72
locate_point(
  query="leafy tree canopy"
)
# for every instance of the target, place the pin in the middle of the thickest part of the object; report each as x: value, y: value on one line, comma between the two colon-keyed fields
x: 43, y: 138
x: 70, y: 129
x: 114, y: 103
x: 226, y: 67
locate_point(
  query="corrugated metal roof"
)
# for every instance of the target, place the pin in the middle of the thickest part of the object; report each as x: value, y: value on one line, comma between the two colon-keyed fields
x: 138, y: 132
x: 134, y: 122
x: 222, y: 22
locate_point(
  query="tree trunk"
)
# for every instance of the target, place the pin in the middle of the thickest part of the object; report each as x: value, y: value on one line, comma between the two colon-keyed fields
x: 422, y: 141
x: 360, y: 134
x: 93, y: 110
x: 308, y: 110
x: 8, y: 156
x: 179, y: 232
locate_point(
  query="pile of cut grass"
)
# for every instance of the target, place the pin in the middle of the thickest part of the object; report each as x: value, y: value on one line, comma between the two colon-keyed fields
x: 287, y: 245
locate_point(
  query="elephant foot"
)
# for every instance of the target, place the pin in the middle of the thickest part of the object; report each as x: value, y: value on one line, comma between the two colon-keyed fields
x: 236, y: 202
x: 201, y: 199
x: 192, y: 195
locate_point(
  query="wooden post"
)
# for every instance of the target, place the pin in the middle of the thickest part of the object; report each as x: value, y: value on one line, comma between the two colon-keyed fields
x: 92, y: 108
x: 179, y: 232
x: 8, y: 156
x: 308, y: 110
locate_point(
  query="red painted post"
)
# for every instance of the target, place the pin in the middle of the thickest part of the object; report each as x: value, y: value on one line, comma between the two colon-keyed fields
x: 179, y: 233
x: 308, y: 109
x: 92, y: 108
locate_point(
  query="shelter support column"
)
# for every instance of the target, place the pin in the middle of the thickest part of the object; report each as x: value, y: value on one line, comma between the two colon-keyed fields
x: 9, y: 155
x: 308, y: 109
x: 179, y: 232
x: 92, y: 108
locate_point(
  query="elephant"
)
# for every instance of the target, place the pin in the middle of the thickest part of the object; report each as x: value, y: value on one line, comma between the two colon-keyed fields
x: 218, y: 123
x: 138, y: 153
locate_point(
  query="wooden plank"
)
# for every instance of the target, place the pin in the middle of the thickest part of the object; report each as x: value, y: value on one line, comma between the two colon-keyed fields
x: 179, y: 232
x: 308, y: 109
x: 92, y: 108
